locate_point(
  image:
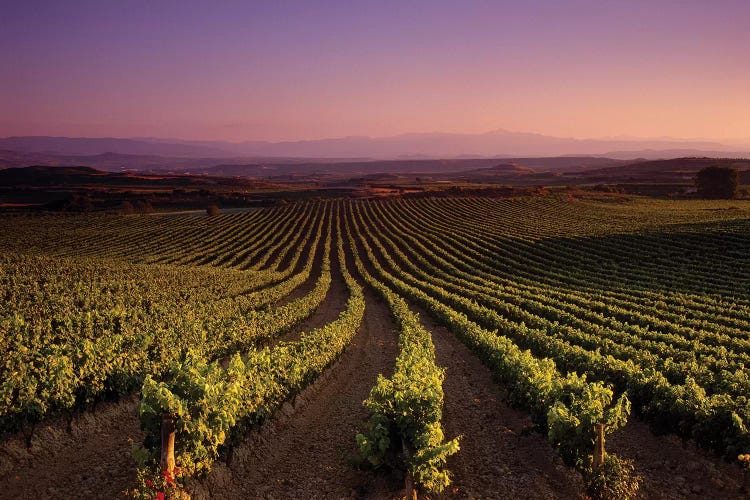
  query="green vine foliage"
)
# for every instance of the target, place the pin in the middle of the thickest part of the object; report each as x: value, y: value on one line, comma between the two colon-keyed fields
x: 405, y: 410
x: 214, y: 403
x: 203, y: 398
x: 570, y: 426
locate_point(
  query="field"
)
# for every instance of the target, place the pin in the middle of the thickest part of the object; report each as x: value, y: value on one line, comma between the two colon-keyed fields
x: 504, y: 331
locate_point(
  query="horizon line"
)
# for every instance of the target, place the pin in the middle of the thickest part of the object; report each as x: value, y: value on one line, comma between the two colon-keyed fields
x: 727, y: 142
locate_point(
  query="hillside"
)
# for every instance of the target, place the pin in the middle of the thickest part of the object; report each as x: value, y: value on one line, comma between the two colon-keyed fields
x: 468, y: 313
x: 425, y: 145
x: 674, y: 170
x: 87, y: 176
x: 262, y: 167
x: 85, y: 146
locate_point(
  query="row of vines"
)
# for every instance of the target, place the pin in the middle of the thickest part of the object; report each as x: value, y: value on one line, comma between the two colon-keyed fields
x: 585, y: 311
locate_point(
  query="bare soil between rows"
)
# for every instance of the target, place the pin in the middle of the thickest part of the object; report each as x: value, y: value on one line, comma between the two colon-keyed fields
x: 309, y: 450
x: 498, y: 458
x: 672, y: 468
x: 669, y: 467
x: 92, y: 461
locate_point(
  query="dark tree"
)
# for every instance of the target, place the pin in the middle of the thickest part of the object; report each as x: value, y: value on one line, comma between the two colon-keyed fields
x: 127, y: 208
x: 144, y: 207
x: 79, y: 203
x: 212, y: 210
x: 717, y: 182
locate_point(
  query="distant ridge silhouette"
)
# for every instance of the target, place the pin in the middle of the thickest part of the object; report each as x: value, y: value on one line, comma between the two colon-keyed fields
x: 499, y: 143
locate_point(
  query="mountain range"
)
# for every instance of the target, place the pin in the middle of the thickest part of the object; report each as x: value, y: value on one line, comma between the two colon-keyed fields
x: 496, y: 144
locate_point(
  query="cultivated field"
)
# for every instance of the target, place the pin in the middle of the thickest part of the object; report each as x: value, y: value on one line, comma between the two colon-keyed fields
x: 505, y: 330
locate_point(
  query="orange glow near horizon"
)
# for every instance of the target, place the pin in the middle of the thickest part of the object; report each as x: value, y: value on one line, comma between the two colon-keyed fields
x: 303, y: 71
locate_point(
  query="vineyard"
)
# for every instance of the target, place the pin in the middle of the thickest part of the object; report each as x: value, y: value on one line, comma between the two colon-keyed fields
x: 531, y: 347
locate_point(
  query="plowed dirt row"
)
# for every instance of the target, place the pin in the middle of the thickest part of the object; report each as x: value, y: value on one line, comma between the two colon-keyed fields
x: 92, y: 461
x: 309, y: 454
x: 497, y: 458
x: 491, y: 465
x: 671, y: 468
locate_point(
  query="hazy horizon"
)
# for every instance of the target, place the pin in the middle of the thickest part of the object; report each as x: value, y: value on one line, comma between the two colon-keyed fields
x: 255, y: 71
x: 738, y: 141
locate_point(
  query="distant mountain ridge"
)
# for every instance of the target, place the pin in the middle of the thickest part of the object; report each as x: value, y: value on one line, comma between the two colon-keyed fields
x: 241, y: 167
x: 499, y: 143
x: 83, y: 146
x: 639, y: 177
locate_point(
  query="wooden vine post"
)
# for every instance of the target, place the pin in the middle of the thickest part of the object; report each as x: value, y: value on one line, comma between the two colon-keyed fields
x: 167, y: 443
x: 598, y: 446
x: 411, y: 492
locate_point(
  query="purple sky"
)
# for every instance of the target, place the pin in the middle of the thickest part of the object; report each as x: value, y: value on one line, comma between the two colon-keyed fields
x: 283, y: 70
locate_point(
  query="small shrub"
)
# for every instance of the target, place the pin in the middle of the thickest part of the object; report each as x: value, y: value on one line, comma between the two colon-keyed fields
x: 144, y: 207
x: 127, y: 208
x: 212, y: 210
x: 614, y: 480
x: 152, y: 484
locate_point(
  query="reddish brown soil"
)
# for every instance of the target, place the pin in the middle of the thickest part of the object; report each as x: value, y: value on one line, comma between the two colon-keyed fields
x: 308, y: 450
x: 497, y: 459
x: 671, y: 468
x: 528, y: 468
x: 92, y: 461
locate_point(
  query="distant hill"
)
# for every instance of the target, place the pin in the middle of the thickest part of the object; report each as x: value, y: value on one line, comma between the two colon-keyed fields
x: 663, y: 154
x: 504, y: 168
x: 41, y: 176
x: 445, y: 166
x: 111, y: 162
x: 241, y: 167
x: 117, y: 162
x: 501, y: 173
x: 520, y: 170
x: 446, y: 145
x: 83, y: 146
x: 517, y: 172
x: 348, y: 168
x: 48, y: 176
x: 673, y: 170
x: 498, y: 143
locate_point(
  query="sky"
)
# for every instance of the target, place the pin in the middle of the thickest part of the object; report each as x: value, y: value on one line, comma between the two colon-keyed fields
x: 286, y: 70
